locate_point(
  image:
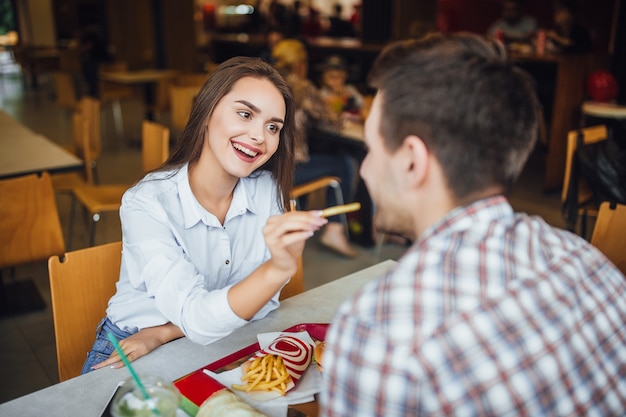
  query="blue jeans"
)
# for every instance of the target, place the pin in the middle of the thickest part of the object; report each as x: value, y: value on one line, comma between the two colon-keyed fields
x: 321, y: 165
x: 102, y: 347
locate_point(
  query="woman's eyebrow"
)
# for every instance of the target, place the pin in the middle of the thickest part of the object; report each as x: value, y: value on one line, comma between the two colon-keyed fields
x: 257, y: 110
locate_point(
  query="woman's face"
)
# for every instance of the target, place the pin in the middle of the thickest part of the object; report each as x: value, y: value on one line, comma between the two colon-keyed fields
x: 244, y: 129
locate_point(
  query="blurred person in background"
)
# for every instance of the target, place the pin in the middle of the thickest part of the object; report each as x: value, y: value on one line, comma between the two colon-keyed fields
x: 568, y: 34
x: 343, y: 98
x: 513, y: 25
x: 291, y: 59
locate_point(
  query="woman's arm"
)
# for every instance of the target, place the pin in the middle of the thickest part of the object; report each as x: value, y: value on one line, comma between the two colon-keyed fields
x: 285, y: 236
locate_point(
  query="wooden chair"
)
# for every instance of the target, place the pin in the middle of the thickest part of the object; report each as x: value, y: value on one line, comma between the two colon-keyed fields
x: 181, y: 101
x: 66, y: 182
x: 155, y: 145
x: 609, y: 233
x: 89, y: 109
x: 81, y: 283
x: 30, y: 230
x: 65, y: 90
x: 583, y: 194
x: 98, y: 198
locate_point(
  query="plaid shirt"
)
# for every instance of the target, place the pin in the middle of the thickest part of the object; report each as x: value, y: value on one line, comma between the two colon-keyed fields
x: 489, y: 313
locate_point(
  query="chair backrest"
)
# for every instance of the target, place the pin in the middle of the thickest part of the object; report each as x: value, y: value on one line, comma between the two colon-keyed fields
x: 155, y: 145
x: 591, y: 134
x: 296, y: 285
x: 82, y: 143
x: 30, y: 229
x: 181, y: 101
x: 80, y: 285
x: 65, y: 90
x: 609, y: 234
x: 90, y: 108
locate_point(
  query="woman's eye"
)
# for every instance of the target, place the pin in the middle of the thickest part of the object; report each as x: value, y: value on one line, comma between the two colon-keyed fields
x: 273, y: 128
x: 244, y: 114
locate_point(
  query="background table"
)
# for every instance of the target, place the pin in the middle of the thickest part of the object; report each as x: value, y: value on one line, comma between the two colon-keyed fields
x: 149, y: 78
x: 86, y: 395
x: 26, y: 152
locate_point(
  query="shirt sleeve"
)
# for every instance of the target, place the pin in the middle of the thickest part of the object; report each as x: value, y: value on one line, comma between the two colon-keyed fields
x: 157, y: 264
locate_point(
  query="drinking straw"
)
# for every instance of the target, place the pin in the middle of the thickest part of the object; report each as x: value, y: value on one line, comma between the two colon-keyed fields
x: 143, y: 390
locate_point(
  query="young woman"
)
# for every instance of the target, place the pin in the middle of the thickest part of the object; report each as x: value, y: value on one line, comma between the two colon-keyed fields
x: 206, y: 245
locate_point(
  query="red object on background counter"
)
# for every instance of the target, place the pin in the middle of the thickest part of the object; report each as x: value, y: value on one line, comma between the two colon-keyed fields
x: 602, y: 86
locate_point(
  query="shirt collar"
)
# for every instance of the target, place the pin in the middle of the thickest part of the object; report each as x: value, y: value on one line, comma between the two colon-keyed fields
x: 193, y: 212
x: 464, y: 217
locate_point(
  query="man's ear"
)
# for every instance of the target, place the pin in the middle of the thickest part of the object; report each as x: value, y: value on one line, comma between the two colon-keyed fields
x: 416, y: 162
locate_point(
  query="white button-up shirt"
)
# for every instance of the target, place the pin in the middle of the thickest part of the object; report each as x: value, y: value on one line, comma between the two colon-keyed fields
x: 178, y: 261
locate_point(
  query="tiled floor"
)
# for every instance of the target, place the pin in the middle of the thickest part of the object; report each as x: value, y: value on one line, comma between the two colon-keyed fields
x: 27, y: 350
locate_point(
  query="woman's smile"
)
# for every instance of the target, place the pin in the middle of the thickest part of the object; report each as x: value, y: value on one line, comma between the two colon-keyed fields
x: 245, y: 152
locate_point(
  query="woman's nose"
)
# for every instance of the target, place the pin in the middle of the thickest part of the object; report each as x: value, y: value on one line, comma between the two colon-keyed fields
x: 257, y: 132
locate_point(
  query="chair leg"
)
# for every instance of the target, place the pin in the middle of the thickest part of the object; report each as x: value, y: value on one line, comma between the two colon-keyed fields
x: 94, y: 170
x: 339, y: 197
x: 70, y: 238
x: 116, y: 108
x: 92, y: 229
x: 583, y: 225
x: 380, y: 241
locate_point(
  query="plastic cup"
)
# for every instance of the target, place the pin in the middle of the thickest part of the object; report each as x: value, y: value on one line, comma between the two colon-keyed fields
x: 129, y: 401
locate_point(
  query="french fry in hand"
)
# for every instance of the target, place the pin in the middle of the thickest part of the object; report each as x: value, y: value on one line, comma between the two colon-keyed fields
x: 344, y: 208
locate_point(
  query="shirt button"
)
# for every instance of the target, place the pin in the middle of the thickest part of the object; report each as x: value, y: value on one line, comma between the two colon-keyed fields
x: 227, y: 261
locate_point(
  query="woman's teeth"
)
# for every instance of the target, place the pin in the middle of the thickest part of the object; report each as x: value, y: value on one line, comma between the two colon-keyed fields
x: 245, y: 150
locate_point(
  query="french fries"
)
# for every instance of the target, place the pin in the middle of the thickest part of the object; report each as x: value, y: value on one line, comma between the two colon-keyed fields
x: 266, y: 373
x: 344, y: 208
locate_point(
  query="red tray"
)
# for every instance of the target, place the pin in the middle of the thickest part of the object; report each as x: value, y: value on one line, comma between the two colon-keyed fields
x: 198, y: 386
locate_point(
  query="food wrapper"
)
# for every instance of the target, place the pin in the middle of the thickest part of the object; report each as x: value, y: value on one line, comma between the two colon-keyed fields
x: 296, y: 353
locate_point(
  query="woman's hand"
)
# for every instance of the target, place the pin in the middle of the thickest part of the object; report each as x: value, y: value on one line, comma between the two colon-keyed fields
x: 142, y: 343
x: 285, y: 236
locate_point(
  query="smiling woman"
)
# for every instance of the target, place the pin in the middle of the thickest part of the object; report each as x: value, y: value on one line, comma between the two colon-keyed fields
x: 207, y: 244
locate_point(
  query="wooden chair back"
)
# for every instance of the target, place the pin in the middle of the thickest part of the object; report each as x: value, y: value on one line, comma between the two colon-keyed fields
x: 64, y: 90
x: 155, y: 145
x: 181, y: 102
x: 81, y: 284
x: 90, y: 109
x: 82, y: 141
x: 66, y: 182
x: 583, y: 197
x: 590, y: 135
x: 29, y: 221
x: 609, y: 233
